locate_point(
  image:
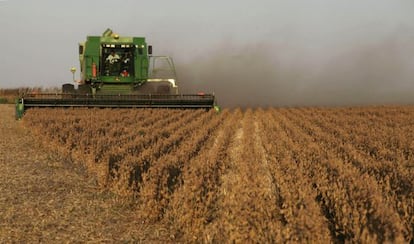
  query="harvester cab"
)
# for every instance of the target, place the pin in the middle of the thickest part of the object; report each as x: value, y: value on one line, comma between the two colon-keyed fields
x: 113, y: 64
x: 119, y: 71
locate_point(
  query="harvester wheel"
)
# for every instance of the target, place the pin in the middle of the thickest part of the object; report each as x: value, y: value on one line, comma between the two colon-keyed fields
x: 84, y: 89
x: 68, y: 88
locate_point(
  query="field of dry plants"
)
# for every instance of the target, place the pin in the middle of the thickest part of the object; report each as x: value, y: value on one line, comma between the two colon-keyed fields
x: 44, y: 198
x: 264, y: 175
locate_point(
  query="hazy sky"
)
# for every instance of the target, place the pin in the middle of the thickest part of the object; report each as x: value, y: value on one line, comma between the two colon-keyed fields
x: 276, y: 52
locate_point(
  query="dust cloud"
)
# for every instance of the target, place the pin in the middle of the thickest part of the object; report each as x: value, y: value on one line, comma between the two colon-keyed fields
x: 266, y: 74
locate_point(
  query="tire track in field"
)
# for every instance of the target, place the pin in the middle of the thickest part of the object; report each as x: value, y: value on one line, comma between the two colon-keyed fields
x: 248, y: 196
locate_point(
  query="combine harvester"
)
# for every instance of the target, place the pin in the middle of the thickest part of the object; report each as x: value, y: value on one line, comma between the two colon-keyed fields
x: 119, y: 72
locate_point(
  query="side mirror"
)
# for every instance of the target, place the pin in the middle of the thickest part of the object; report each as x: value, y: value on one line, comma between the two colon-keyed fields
x: 80, y: 49
x: 150, y: 50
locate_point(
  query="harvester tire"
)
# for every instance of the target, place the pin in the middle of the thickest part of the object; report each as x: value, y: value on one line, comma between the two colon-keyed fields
x: 84, y: 89
x: 68, y: 88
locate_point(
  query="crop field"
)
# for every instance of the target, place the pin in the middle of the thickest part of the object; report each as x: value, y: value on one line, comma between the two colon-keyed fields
x: 263, y: 175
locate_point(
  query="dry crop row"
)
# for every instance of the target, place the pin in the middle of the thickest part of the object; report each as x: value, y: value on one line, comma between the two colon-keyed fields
x: 378, y: 149
x: 274, y: 175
